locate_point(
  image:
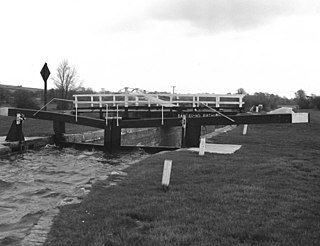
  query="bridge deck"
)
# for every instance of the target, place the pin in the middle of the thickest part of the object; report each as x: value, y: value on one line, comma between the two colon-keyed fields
x: 191, y: 125
x: 158, y: 122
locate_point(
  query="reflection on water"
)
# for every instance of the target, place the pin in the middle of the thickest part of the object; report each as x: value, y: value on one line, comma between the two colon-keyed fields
x: 35, y: 181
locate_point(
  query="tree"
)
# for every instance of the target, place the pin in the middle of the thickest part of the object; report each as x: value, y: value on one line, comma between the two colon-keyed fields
x: 5, y: 96
x: 24, y: 99
x: 302, y: 99
x: 269, y: 101
x: 66, y: 80
x: 316, y: 102
x: 241, y: 91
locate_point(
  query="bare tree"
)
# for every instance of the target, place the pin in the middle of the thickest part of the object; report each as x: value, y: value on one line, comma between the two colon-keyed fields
x: 66, y: 81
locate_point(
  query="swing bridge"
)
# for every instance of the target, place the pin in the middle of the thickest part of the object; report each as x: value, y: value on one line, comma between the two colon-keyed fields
x: 135, y: 108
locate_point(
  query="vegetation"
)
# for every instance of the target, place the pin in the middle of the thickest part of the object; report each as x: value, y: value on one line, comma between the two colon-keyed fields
x: 269, y: 101
x: 316, y: 102
x: 267, y: 193
x: 25, y: 99
x: 66, y: 81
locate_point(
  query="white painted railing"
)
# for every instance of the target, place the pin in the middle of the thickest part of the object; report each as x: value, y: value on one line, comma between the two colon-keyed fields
x: 165, y: 100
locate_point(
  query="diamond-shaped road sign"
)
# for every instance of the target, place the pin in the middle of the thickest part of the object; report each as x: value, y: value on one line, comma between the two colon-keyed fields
x: 45, y: 72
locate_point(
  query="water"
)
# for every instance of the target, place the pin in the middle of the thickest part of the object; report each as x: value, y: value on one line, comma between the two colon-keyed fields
x: 36, y: 181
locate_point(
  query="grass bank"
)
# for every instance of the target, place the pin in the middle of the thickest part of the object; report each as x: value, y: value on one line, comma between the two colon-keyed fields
x: 267, y: 193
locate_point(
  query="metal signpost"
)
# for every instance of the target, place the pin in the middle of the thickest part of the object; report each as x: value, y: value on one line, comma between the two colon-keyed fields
x: 45, y: 73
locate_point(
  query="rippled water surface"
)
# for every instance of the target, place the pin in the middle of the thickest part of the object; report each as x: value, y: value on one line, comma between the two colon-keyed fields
x: 35, y: 181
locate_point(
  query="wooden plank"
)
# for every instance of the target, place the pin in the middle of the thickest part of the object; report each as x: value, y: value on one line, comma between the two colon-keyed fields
x: 215, y: 120
x: 157, y: 122
x: 242, y: 119
x: 140, y: 123
x: 68, y: 118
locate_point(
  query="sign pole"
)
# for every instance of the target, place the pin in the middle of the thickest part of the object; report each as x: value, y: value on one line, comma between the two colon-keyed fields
x: 45, y: 72
x: 45, y: 95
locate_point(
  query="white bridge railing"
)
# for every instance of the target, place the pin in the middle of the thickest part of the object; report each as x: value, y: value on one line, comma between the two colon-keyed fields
x: 165, y: 100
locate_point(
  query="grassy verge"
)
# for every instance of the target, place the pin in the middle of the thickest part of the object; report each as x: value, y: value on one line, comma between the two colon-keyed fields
x: 267, y: 193
x: 34, y: 127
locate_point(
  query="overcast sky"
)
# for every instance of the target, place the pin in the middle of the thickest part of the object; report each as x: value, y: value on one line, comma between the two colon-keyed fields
x: 212, y: 46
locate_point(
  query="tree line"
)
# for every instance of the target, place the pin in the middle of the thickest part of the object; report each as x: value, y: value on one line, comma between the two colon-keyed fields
x: 272, y: 101
x: 67, y: 84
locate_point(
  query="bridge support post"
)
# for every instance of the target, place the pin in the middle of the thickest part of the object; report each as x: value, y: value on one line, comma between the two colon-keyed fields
x: 101, y: 113
x: 59, y: 128
x: 112, y: 136
x: 193, y: 133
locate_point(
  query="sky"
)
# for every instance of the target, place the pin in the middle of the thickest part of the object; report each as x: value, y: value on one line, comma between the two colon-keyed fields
x: 198, y: 46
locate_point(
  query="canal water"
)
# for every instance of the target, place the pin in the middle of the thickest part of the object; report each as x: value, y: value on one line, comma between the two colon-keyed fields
x: 35, y: 181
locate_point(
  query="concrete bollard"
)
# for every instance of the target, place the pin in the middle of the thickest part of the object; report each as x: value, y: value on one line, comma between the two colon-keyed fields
x: 202, y: 146
x: 245, y: 128
x: 166, y: 174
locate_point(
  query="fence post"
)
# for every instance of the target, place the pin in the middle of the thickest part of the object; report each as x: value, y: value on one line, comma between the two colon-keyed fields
x: 202, y: 146
x: 166, y: 174
x: 245, y: 128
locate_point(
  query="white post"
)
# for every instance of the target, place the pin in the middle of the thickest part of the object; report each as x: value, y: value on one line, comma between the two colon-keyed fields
x: 106, y: 114
x: 202, y: 146
x: 117, y: 115
x: 217, y: 101
x: 245, y: 128
x: 126, y: 102
x: 100, y: 101
x: 162, y: 122
x: 240, y: 102
x: 76, y: 112
x: 166, y: 173
x: 76, y: 105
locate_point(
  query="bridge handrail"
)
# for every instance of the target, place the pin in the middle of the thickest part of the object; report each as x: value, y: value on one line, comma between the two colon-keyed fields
x: 137, y: 99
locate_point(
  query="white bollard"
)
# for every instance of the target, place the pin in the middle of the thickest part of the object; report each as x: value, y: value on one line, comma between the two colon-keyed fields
x: 245, y: 128
x: 166, y: 173
x: 202, y: 146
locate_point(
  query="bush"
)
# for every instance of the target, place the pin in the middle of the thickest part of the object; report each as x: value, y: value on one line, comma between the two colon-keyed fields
x: 269, y: 101
x: 316, y: 102
x: 24, y: 99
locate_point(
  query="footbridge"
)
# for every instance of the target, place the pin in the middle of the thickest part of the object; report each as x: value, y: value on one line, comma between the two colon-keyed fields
x: 187, y: 113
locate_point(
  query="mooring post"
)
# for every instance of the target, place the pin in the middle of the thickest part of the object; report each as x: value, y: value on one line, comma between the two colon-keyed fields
x: 15, y: 132
x: 112, y: 136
